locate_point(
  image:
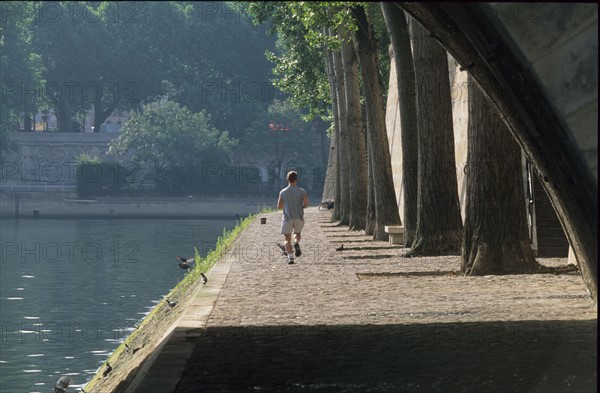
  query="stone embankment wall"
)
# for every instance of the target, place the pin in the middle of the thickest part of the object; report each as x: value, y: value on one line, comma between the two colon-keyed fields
x: 67, y: 205
x: 50, y: 157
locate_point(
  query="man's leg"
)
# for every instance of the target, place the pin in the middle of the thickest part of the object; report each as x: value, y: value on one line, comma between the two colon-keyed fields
x: 298, y: 225
x: 297, y: 244
x: 286, y: 231
x: 288, y: 243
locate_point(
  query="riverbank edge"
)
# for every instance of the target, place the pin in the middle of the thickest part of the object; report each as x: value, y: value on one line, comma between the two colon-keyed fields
x: 65, y: 206
x: 160, y: 326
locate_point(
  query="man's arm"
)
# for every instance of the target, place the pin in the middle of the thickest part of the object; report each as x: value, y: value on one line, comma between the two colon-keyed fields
x: 305, y: 200
x: 279, y: 203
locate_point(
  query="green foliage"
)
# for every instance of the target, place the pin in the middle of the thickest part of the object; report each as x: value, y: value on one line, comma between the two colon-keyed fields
x: 285, y: 141
x: 86, y: 159
x: 225, y: 73
x: 96, y: 178
x: 299, y: 63
x: 375, y: 16
x: 174, y: 141
x: 115, y: 56
x: 19, y: 66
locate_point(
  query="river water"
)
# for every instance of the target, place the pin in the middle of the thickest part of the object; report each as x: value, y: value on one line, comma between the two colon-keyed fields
x: 72, y: 290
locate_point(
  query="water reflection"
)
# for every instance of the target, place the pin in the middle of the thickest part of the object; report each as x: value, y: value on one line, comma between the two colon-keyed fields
x: 72, y: 290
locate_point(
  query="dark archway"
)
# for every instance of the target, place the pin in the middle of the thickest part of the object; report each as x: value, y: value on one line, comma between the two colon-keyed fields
x: 480, y: 42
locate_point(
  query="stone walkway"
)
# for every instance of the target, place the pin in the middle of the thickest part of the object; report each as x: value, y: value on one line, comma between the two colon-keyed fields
x: 367, y: 320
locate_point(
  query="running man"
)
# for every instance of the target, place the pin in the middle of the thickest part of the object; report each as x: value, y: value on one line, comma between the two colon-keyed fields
x: 292, y: 200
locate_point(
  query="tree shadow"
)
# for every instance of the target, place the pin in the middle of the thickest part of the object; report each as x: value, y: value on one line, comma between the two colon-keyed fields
x: 524, y: 356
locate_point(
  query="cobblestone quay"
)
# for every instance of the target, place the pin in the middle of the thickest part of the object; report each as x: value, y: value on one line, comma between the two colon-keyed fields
x: 367, y: 320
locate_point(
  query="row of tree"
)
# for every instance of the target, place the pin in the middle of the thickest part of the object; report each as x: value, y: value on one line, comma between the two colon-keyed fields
x: 338, y: 43
x: 200, y: 60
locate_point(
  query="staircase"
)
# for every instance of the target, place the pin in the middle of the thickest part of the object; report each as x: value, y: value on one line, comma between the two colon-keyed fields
x: 551, y: 238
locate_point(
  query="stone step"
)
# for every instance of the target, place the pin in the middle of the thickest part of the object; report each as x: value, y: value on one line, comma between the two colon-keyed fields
x: 552, y: 242
x: 550, y: 232
x: 553, y: 252
x: 547, y: 223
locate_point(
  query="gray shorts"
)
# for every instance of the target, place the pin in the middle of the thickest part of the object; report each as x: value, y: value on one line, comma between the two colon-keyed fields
x: 294, y: 224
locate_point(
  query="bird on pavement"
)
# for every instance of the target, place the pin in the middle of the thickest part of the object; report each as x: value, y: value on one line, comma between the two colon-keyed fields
x: 62, y: 384
x: 170, y: 303
x: 203, y: 278
x: 108, y: 369
x: 184, y: 263
x: 129, y: 350
x: 340, y: 248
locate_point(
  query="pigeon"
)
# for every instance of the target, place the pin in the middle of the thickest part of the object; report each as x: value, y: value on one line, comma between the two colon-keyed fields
x: 108, y: 369
x: 340, y: 248
x: 129, y: 350
x: 184, y: 263
x: 62, y: 384
x: 203, y: 278
x: 170, y: 303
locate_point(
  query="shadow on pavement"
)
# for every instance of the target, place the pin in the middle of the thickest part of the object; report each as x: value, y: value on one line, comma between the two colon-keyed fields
x: 527, y: 356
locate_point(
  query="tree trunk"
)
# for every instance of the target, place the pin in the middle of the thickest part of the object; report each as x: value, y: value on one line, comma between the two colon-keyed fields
x: 386, y: 206
x: 100, y: 114
x: 333, y: 152
x: 64, y: 121
x: 439, y: 225
x: 356, y: 151
x: 496, y: 240
x: 27, y: 122
x: 370, y: 222
x: 330, y: 174
x: 397, y: 28
x: 323, y: 140
x: 342, y: 149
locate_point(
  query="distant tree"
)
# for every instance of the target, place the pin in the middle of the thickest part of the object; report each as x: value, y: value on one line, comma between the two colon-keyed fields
x: 173, y: 141
x: 226, y: 72
x: 117, y: 56
x: 284, y: 142
x: 135, y: 59
x: 20, y: 70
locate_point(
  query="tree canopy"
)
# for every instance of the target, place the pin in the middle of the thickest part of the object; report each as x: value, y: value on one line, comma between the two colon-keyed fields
x: 174, y: 141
